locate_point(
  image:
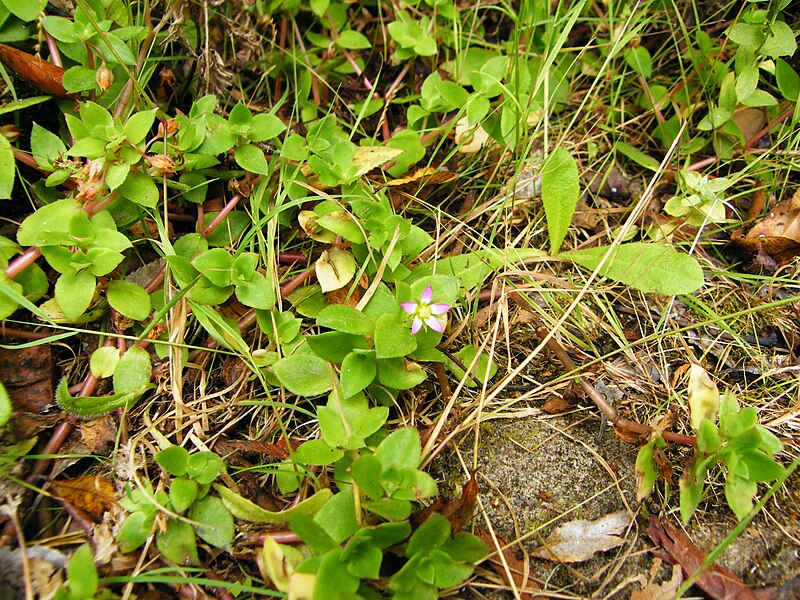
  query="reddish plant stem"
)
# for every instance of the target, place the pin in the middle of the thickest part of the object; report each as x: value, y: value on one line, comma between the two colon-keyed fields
x: 282, y: 537
x: 296, y: 282
x: 21, y: 262
x: 632, y: 426
x: 10, y: 332
x: 229, y: 206
x: 292, y: 257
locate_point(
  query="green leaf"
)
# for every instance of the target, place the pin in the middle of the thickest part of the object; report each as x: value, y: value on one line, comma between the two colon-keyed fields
x: 79, y: 79
x: 177, y: 543
x: 347, y: 422
x: 205, y: 467
x: 338, y: 516
x: 317, y: 452
x: 484, y: 368
x: 217, y: 265
x: 129, y: 299
x: 366, y: 471
x: 399, y: 373
x: 646, y: 472
x: 8, y: 168
x: 691, y: 488
x: 560, y: 194
x: 135, y: 530
x: 173, y: 460
x: 103, y: 361
x: 465, y: 547
x: 256, y: 292
x: 241, y: 508
x: 646, y: 267
x: 216, y: 525
x: 639, y: 60
x: 93, y: 406
x: 28, y: 10
x: 140, y: 189
x: 760, y: 467
x: 433, y: 533
x: 304, y: 374
x: 346, y: 319
x: 787, y: 78
x: 251, y: 158
x: 739, y: 493
x: 133, y: 371
x: 708, y: 438
x: 265, y: 127
x: 182, y: 492
x: 358, y: 371
x: 637, y: 156
x: 82, y: 574
x: 393, y: 337
x: 781, y: 41
x: 138, y: 126
x: 46, y: 146
x: 400, y: 450
x: 74, y: 293
x: 6, y: 408
x: 352, y: 40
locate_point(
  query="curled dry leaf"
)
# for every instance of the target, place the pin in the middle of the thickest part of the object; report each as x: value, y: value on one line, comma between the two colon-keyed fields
x: 579, y: 540
x: 660, y: 591
x: 777, y: 234
x: 716, y: 581
x: 35, y: 71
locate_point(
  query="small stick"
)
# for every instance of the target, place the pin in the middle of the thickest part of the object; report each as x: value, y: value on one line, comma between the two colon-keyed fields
x: 601, y: 402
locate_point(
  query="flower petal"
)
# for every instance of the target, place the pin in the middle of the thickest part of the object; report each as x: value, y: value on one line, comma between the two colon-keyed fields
x: 427, y: 295
x: 409, y: 307
x: 416, y: 325
x: 440, y: 309
x: 435, y: 324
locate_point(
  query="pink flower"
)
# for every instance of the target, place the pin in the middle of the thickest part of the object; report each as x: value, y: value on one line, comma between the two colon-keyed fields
x: 427, y: 314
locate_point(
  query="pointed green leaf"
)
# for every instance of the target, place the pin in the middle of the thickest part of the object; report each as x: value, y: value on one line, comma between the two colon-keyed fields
x: 560, y: 194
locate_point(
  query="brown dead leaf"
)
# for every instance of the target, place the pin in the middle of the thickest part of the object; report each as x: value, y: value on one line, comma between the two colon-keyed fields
x: 35, y: 71
x: 278, y: 450
x: 749, y: 120
x: 459, y: 511
x: 717, y: 582
x: 579, y: 540
x: 27, y: 374
x: 776, y: 234
x: 556, y: 404
x: 421, y: 178
x: 660, y: 591
x: 91, y: 496
x: 420, y: 184
x: 97, y: 434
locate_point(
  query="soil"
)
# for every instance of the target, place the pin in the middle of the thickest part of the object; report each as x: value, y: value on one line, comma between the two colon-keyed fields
x: 541, y: 471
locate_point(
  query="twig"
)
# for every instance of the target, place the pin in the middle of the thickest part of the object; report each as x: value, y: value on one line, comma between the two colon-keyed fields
x: 632, y: 426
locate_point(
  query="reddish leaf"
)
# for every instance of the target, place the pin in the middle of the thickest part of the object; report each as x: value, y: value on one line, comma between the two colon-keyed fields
x: 27, y: 374
x: 777, y: 234
x: 459, y: 511
x: 35, y: 71
x: 716, y: 581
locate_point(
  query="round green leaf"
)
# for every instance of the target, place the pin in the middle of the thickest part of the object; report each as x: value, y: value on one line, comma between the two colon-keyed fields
x: 103, y: 361
x: 133, y: 371
x: 173, y: 460
x: 251, y: 158
x: 216, y: 525
x: 304, y: 374
x: 129, y: 299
